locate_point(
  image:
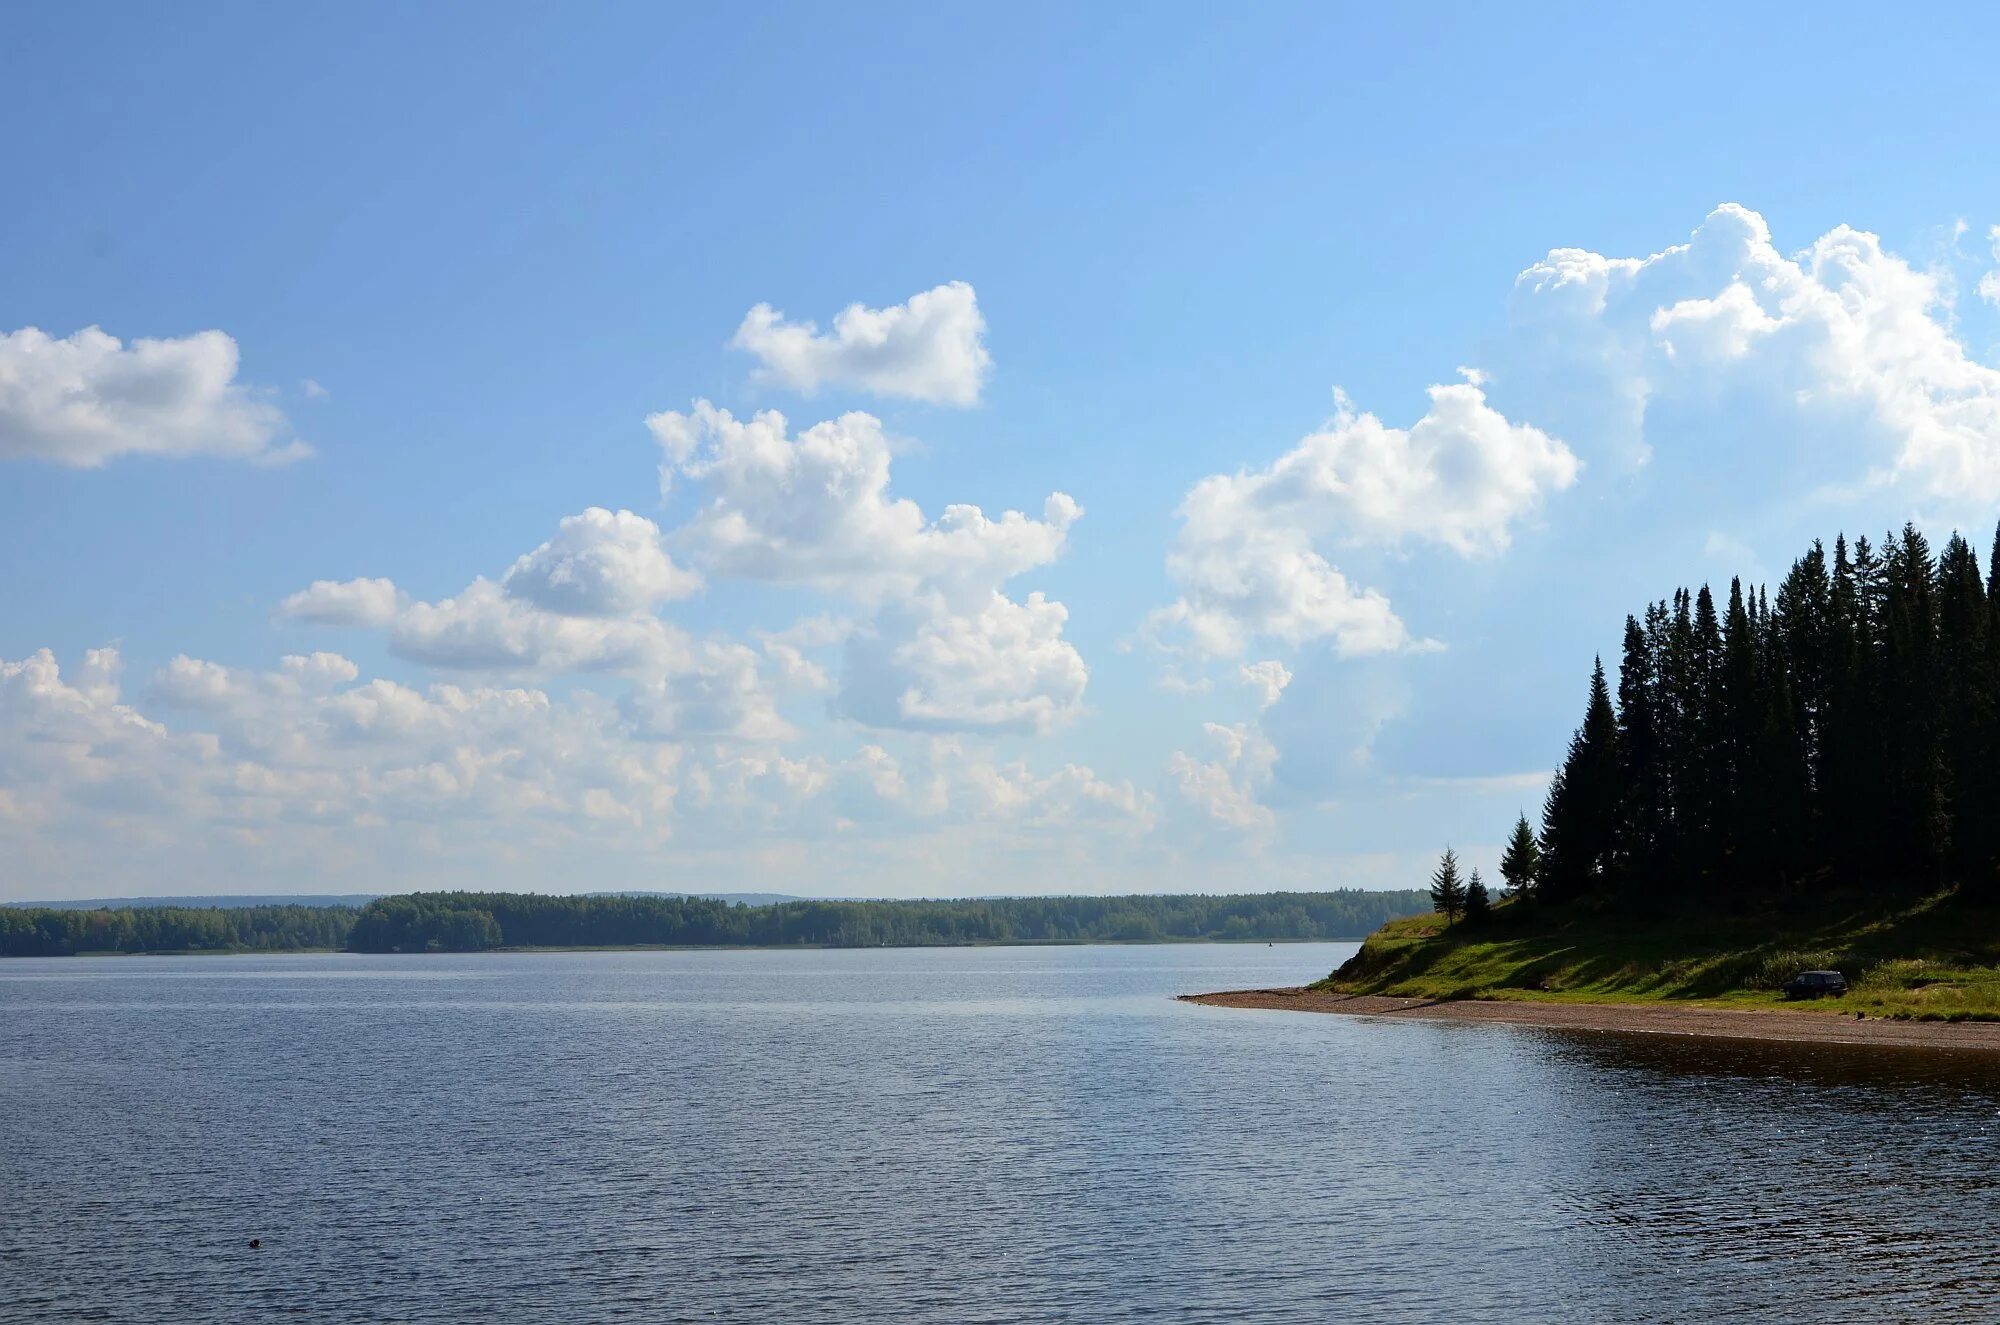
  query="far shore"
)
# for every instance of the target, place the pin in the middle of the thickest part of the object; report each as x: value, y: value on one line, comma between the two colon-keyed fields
x: 527, y: 948
x: 1803, y: 1026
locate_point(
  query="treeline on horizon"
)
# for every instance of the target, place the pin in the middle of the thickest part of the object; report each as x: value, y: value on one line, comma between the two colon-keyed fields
x: 420, y: 922
x: 64, y: 932
x: 468, y: 922
x: 1844, y: 731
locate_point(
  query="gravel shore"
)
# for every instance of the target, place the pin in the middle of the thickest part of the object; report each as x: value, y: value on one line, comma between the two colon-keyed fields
x: 1803, y: 1026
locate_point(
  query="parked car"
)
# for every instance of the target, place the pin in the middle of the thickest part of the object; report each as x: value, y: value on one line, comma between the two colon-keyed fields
x: 1816, y: 984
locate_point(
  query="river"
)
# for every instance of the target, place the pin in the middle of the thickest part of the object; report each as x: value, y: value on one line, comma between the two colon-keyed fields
x: 942, y: 1135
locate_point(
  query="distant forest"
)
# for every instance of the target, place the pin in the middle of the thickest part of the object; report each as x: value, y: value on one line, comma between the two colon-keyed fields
x: 465, y: 922
x: 1845, y: 731
x: 63, y: 932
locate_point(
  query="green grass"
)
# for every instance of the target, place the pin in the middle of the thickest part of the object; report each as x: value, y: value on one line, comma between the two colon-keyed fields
x: 1935, y: 957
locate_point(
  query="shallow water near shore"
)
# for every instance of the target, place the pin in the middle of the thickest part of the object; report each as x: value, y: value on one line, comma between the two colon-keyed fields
x: 993, y: 1134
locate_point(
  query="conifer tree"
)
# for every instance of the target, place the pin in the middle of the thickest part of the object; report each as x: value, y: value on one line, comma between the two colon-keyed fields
x: 1582, y: 816
x: 1966, y: 702
x: 1847, y: 727
x: 1742, y: 720
x: 1520, y: 862
x: 1478, y: 905
x: 1447, y: 889
x: 1642, y: 790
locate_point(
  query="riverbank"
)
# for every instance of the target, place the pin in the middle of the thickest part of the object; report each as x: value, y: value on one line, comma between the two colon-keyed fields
x: 1801, y: 1026
x: 1921, y: 957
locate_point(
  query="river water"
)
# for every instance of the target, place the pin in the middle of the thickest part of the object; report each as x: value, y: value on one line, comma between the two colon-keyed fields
x: 963, y: 1135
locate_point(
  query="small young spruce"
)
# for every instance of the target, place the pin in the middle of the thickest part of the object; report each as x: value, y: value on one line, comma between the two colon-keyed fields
x: 1447, y: 889
x: 1478, y: 905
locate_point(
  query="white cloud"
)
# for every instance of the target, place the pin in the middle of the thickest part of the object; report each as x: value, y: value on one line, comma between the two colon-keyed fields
x: 483, y: 628
x: 1245, y: 559
x: 86, y: 399
x: 600, y: 564
x: 816, y: 510
x: 1240, y: 581
x: 1989, y: 284
x: 1268, y: 678
x: 1843, y: 343
x: 344, y: 603
x: 945, y: 780
x: 1002, y: 665
x: 718, y: 693
x: 1226, y: 786
x: 1461, y: 476
x: 310, y: 772
x: 945, y: 648
x: 580, y: 603
x: 791, y: 651
x: 930, y: 348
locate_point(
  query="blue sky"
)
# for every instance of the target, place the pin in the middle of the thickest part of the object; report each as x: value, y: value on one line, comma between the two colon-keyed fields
x: 464, y: 254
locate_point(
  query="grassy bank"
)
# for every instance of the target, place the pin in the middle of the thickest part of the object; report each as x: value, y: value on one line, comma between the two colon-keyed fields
x: 1934, y: 957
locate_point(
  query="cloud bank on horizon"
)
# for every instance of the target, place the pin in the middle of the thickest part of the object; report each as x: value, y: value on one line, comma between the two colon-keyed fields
x: 911, y: 701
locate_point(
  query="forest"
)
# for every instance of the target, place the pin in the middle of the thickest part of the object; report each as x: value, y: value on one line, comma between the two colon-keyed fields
x: 1842, y: 733
x: 467, y: 922
x: 64, y: 932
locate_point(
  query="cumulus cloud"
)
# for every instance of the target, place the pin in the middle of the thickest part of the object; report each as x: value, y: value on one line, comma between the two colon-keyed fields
x: 1268, y: 678
x: 1989, y: 284
x: 1226, y: 785
x: 1239, y: 582
x: 1002, y: 665
x: 1843, y: 342
x: 945, y: 647
x: 600, y: 564
x: 365, y: 602
x: 946, y: 780
x: 816, y: 510
x: 583, y: 602
x: 930, y: 348
x: 1461, y: 476
x: 309, y: 767
x: 719, y: 692
x: 1245, y: 558
x: 86, y: 399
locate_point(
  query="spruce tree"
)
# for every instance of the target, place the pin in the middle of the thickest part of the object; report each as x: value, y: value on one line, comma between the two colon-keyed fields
x: 1966, y: 703
x: 1583, y: 813
x: 1742, y: 719
x: 1641, y: 790
x: 1447, y: 889
x: 1917, y: 831
x: 1478, y: 906
x: 1520, y: 862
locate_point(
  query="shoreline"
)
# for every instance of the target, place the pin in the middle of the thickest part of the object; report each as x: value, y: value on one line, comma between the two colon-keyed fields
x: 1706, y: 1022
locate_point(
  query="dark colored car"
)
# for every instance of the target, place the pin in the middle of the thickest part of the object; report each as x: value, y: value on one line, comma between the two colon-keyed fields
x: 1816, y: 984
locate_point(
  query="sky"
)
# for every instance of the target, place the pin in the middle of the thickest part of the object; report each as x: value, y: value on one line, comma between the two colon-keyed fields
x: 914, y: 451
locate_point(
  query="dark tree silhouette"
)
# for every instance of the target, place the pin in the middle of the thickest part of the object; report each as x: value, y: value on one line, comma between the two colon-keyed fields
x: 1847, y: 730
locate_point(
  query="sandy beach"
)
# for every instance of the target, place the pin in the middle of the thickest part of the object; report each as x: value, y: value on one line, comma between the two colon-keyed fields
x: 1642, y: 1018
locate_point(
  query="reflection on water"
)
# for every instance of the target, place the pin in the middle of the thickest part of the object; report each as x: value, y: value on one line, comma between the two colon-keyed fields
x: 975, y: 1135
